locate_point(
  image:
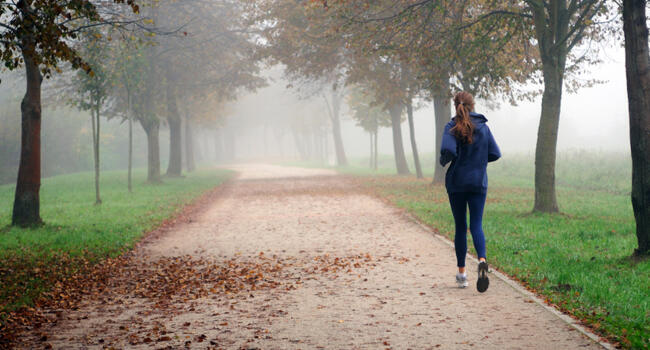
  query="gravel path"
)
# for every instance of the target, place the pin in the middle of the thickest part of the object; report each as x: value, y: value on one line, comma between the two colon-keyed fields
x: 318, y: 265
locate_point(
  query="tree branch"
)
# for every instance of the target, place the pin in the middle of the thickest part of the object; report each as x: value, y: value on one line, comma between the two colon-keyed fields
x: 406, y: 9
x: 493, y: 13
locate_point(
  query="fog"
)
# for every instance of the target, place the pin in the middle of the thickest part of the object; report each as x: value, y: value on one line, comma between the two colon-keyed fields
x: 242, y: 107
x: 592, y: 119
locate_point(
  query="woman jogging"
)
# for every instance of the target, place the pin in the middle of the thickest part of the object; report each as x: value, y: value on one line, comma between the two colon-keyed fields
x: 468, y: 143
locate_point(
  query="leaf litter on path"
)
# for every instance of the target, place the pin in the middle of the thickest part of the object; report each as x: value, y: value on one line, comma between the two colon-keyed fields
x: 170, y: 285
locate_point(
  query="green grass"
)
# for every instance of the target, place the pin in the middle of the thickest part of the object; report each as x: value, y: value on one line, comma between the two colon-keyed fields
x: 79, y: 232
x: 579, y: 260
x: 588, y: 170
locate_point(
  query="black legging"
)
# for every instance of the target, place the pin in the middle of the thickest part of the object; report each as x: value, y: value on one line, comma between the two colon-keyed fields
x: 459, y: 202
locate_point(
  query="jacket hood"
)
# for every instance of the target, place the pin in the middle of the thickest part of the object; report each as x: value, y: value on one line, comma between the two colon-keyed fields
x: 479, y: 120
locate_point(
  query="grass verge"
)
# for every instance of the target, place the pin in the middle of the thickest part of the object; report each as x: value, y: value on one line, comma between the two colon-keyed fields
x: 77, y: 234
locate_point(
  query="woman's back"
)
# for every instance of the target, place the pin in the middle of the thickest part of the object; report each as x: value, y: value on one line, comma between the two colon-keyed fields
x: 468, y: 169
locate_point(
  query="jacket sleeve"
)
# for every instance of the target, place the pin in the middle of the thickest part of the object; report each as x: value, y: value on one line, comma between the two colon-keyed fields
x: 493, y: 149
x: 448, y: 147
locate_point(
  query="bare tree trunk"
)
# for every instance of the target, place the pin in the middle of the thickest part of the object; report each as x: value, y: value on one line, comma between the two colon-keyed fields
x: 326, y: 147
x: 334, y: 111
x: 175, y: 166
x: 26, y: 211
x: 130, y: 175
x: 551, y: 30
x: 218, y: 145
x: 232, y: 146
x: 414, y: 147
x: 376, y: 157
x: 152, y: 128
x: 96, y: 130
x: 130, y: 119
x: 371, y: 158
x: 545, y: 152
x: 637, y: 63
x: 315, y: 139
x: 442, y: 110
x: 189, y: 146
x: 300, y: 144
x: 196, y: 146
x: 398, y: 145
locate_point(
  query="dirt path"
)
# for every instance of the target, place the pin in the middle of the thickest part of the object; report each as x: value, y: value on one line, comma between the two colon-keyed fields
x: 292, y: 258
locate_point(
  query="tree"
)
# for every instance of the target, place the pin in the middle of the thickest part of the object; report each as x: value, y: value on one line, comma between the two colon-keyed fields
x: 438, y: 49
x: 297, y: 36
x: 559, y: 27
x: 127, y: 80
x: 370, y: 116
x: 637, y: 64
x: 209, y: 53
x: 333, y: 103
x: 36, y: 34
x: 92, y: 89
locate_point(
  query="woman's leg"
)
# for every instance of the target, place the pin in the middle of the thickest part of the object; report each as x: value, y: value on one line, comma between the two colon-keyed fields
x: 458, y: 202
x: 476, y: 202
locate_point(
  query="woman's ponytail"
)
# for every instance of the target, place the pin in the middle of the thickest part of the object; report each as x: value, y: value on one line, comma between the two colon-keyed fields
x: 464, y: 128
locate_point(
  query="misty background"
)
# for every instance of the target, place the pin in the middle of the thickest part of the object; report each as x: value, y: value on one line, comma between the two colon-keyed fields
x: 262, y: 126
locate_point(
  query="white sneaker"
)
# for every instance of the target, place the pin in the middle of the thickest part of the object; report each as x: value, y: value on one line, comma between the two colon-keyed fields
x: 461, y: 280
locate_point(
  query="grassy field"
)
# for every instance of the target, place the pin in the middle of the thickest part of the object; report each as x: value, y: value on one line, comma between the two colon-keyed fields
x: 578, y: 260
x: 78, y: 233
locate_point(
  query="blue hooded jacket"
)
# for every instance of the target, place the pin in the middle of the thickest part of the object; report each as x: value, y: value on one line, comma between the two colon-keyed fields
x: 468, y: 169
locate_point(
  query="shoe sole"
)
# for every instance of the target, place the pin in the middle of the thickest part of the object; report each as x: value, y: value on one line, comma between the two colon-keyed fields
x: 483, y: 280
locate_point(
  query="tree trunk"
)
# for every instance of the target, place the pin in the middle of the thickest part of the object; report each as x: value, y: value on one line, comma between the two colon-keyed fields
x: 300, y: 144
x: 130, y: 173
x: 414, y: 147
x: 398, y: 145
x: 442, y: 110
x: 376, y: 157
x: 130, y: 119
x: 232, y: 146
x: 545, y: 152
x: 334, y: 110
x: 637, y: 64
x: 341, y: 159
x: 326, y: 148
x: 189, y: 146
x: 218, y: 145
x: 372, y: 155
x: 152, y: 128
x: 26, y: 211
x: 196, y: 146
x: 95, y: 125
x: 175, y: 166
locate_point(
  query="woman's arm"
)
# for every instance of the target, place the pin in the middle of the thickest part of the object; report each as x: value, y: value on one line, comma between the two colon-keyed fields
x: 448, y: 147
x: 494, y: 152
